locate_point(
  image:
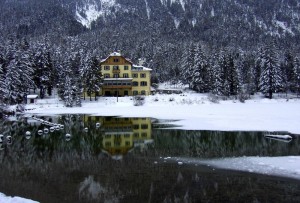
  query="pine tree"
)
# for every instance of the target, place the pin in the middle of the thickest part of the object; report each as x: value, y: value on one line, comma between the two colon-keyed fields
x: 44, y: 73
x: 93, y: 77
x: 217, y: 83
x: 200, y: 75
x: 297, y: 75
x: 232, y: 76
x: 187, y: 65
x: 69, y: 91
x: 287, y: 68
x: 271, y: 77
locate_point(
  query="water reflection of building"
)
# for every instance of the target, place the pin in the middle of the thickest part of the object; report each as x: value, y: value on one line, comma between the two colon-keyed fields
x: 121, y: 135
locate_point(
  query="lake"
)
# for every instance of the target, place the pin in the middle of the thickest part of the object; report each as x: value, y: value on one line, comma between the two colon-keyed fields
x: 82, y: 158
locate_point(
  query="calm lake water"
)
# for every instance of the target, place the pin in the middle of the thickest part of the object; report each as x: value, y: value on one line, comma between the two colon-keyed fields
x: 110, y: 159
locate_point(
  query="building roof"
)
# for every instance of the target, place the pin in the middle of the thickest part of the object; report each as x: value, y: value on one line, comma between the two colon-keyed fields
x: 115, y: 54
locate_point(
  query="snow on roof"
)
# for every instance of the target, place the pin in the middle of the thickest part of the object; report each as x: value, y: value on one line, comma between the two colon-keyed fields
x: 32, y: 96
x: 116, y: 79
x: 115, y: 54
x: 140, y: 68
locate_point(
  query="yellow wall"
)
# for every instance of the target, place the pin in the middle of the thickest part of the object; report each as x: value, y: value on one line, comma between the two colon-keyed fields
x: 139, y: 80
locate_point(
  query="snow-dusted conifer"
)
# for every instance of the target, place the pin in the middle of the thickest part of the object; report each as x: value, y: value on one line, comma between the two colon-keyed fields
x: 297, y: 74
x: 68, y: 94
x: 271, y: 77
x: 187, y: 64
x: 288, y: 74
x: 92, y: 77
x: 200, y: 74
x: 217, y: 84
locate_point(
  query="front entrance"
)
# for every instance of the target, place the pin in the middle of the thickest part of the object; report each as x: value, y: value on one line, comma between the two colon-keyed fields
x: 107, y: 93
x: 125, y: 93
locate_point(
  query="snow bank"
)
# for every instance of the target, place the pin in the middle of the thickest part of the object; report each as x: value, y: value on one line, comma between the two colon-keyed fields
x: 7, y: 199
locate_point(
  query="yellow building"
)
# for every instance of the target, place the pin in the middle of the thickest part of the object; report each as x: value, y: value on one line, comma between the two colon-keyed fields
x: 122, y: 78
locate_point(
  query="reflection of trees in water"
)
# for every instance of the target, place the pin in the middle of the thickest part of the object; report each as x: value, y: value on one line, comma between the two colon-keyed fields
x: 207, y: 144
x: 50, y: 169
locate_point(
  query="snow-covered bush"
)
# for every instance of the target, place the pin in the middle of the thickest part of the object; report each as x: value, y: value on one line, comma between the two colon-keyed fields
x: 242, y: 96
x: 20, y: 108
x: 186, y: 101
x: 171, y: 99
x: 138, y: 100
x: 213, y: 98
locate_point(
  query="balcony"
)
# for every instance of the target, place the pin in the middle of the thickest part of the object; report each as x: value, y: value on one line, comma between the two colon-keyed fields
x: 117, y: 83
x: 116, y: 71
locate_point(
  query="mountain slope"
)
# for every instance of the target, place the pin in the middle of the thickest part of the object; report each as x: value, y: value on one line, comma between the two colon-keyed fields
x: 227, y: 22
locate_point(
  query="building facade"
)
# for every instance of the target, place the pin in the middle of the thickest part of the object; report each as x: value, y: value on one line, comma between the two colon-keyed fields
x: 123, y: 78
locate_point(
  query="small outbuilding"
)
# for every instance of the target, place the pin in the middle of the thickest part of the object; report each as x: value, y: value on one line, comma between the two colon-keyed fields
x: 32, y: 98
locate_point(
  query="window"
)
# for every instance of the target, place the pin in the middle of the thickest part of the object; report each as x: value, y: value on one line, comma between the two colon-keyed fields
x: 143, y: 92
x: 106, y: 68
x: 136, y: 135
x: 135, y: 75
x: 107, y: 144
x: 125, y: 93
x: 144, y: 126
x: 136, y: 126
x: 116, y: 60
x: 117, y: 143
x: 127, y: 143
x: 143, y: 75
x: 125, y: 67
x: 144, y: 134
x: 135, y: 92
x: 115, y: 67
x: 143, y: 83
x: 125, y: 75
x: 135, y: 83
x: 106, y: 76
x: 116, y: 75
x: 127, y: 135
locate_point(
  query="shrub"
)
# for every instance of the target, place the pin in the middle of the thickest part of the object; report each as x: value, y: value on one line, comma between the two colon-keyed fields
x: 213, y: 98
x: 171, y: 99
x: 138, y: 100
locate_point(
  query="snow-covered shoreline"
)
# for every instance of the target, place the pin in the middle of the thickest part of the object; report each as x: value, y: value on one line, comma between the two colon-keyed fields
x: 192, y: 112
x: 8, y: 199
